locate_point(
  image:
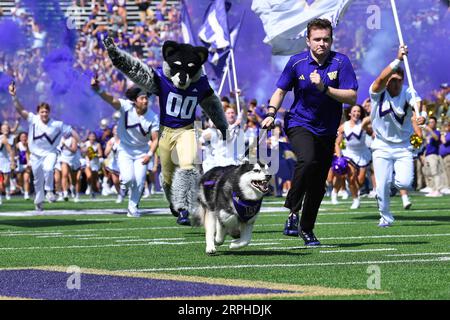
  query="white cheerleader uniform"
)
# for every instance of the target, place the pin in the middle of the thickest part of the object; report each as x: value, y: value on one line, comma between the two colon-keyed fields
x: 134, y: 132
x: 5, y: 157
x: 355, y: 145
x: 94, y: 163
x: 392, y: 150
x: 43, y: 142
x: 72, y: 159
x: 113, y: 163
x: 22, y: 161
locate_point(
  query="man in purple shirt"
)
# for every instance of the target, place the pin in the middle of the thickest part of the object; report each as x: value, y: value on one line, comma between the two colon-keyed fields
x: 322, y: 80
x: 432, y: 158
x: 444, y: 152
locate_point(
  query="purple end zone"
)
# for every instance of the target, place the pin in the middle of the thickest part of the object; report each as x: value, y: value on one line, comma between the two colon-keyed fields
x: 41, y: 284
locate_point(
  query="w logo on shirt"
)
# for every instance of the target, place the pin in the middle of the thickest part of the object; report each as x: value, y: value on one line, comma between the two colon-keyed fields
x: 332, y: 75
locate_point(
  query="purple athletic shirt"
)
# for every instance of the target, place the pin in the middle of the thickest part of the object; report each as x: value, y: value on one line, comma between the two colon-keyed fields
x: 444, y: 148
x: 312, y: 109
x: 177, y: 107
x: 433, y: 145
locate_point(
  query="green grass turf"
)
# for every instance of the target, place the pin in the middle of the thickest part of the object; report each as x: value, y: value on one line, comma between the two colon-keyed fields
x: 97, y: 241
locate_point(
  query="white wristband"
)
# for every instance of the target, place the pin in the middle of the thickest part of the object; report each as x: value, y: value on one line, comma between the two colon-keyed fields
x: 150, y: 153
x: 395, y: 64
x: 423, y: 114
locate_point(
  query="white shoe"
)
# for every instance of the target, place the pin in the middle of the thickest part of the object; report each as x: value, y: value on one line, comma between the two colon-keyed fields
x: 119, y: 199
x: 345, y: 195
x: 426, y: 190
x: 26, y: 196
x: 76, y: 199
x: 50, y: 197
x: 1, y: 200
x: 334, y: 196
x: 406, y: 203
x: 106, y: 191
x: 133, y: 214
x: 88, y: 190
x: 372, y: 194
x: 384, y: 224
x: 8, y: 196
x: 39, y: 207
x: 434, y: 194
x: 355, y: 204
x: 146, y: 193
x: 445, y: 191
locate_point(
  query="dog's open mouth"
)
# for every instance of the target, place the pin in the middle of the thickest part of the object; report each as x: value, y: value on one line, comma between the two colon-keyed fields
x: 261, y: 185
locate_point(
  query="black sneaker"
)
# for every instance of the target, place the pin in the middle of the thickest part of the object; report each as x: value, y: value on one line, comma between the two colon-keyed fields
x: 291, y: 225
x: 309, y: 238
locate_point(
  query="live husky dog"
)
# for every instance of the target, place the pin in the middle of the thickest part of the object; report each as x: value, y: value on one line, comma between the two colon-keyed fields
x: 229, y: 201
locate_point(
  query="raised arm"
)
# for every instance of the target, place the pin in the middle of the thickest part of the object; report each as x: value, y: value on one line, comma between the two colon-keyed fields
x: 380, y: 82
x: 113, y: 102
x: 19, y: 107
x: 136, y: 70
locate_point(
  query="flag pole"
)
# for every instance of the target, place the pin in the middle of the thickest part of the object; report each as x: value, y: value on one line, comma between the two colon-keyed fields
x: 235, y: 81
x: 225, y: 73
x: 405, y: 58
x: 230, y: 84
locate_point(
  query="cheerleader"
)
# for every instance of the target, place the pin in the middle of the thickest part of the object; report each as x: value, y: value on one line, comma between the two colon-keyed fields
x: 70, y: 167
x: 23, y: 169
x: 113, y: 166
x: 356, y: 151
x: 393, y: 121
x: 45, y: 135
x: 6, y: 161
x: 94, y: 153
x: 138, y: 125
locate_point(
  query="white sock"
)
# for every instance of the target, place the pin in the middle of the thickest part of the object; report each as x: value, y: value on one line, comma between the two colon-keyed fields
x: 405, y: 197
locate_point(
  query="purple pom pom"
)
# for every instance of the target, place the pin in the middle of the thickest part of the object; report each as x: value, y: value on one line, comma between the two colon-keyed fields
x: 339, y: 165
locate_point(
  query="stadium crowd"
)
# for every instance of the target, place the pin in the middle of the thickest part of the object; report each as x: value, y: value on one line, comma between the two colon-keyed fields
x: 143, y: 39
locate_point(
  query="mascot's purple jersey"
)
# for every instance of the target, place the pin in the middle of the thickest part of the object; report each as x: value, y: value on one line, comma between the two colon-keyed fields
x: 178, y: 106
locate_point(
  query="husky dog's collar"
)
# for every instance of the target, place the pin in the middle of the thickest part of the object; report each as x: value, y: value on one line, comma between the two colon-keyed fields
x: 246, y: 209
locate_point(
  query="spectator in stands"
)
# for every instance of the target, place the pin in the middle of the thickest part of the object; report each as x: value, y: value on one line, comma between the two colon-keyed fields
x: 432, y: 157
x: 109, y: 7
x: 444, y: 152
x: 117, y: 21
x: 145, y: 12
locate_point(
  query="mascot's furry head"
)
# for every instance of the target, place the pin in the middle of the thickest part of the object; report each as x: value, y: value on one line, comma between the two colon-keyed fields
x: 183, y: 63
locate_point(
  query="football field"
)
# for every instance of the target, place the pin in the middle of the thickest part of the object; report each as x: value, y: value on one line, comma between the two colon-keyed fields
x: 91, y: 250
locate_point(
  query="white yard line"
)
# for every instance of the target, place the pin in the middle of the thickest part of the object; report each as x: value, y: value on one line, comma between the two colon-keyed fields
x: 312, y: 264
x: 420, y: 254
x: 358, y: 250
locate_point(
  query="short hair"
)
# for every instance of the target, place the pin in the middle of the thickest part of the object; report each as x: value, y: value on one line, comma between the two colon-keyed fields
x: 319, y: 23
x: 134, y: 92
x: 229, y: 107
x: 434, y: 118
x: 225, y: 99
x: 400, y: 72
x: 43, y: 105
x: 254, y: 102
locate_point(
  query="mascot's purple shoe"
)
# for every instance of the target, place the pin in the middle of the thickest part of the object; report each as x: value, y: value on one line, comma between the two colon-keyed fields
x: 183, y: 218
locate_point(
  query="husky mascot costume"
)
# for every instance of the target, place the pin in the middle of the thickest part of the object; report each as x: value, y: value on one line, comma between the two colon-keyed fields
x: 180, y: 86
